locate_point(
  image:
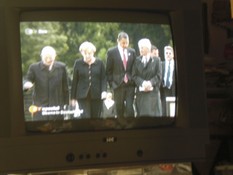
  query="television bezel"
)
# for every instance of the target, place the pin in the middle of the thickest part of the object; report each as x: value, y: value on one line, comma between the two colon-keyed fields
x: 185, y: 141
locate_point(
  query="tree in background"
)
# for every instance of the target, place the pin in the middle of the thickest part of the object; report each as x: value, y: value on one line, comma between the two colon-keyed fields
x: 66, y: 38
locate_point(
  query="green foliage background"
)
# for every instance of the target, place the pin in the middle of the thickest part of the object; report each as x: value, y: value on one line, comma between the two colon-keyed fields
x: 66, y: 38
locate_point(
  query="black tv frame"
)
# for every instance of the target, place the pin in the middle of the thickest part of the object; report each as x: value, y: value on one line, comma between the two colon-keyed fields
x: 185, y: 141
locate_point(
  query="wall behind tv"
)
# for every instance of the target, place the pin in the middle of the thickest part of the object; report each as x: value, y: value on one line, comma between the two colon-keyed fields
x: 217, y: 35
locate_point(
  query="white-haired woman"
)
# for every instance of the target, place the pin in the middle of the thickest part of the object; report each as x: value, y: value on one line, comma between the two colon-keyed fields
x: 147, y: 74
x: 50, y: 82
x: 89, y: 82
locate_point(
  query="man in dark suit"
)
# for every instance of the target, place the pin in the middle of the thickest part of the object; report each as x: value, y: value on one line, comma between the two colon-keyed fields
x: 120, y: 60
x: 49, y: 81
x: 168, y: 88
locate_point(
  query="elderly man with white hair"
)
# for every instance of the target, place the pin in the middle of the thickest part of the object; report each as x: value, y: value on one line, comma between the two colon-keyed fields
x: 147, y: 74
x: 49, y: 81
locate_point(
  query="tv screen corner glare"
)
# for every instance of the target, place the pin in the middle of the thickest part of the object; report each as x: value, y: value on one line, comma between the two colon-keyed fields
x: 32, y: 126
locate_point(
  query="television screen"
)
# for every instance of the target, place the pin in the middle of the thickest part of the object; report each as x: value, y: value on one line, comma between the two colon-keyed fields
x: 56, y: 101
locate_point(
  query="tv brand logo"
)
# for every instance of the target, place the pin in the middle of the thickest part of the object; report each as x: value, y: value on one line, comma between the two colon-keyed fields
x: 111, y: 139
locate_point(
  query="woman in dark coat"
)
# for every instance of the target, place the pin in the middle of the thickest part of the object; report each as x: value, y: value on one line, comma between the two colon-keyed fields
x: 147, y: 74
x: 89, y: 83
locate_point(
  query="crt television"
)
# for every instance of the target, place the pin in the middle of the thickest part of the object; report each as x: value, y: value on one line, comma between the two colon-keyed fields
x: 74, y: 143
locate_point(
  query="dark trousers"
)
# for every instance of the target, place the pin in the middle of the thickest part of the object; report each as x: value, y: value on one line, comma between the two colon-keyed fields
x: 124, y: 100
x: 165, y: 92
x: 91, y: 107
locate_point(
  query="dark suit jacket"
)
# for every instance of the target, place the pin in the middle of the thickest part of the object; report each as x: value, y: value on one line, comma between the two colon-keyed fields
x: 171, y: 91
x: 88, y: 80
x: 51, y: 87
x: 115, y: 69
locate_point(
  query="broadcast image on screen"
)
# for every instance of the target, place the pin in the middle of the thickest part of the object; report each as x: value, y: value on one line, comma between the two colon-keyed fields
x: 82, y: 76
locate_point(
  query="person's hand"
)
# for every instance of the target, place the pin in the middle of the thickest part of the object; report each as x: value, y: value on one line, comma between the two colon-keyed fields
x: 103, y: 95
x: 144, y: 84
x: 147, y: 85
x: 73, y: 102
x: 27, y: 85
